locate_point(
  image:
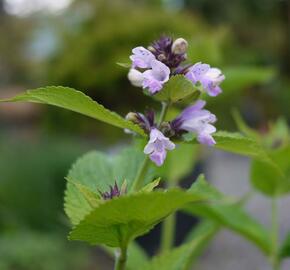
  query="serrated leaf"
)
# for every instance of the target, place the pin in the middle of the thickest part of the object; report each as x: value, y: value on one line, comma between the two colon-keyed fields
x: 229, y: 215
x: 285, y: 249
x: 91, y: 197
x: 176, y: 89
x: 235, y: 143
x: 97, y: 171
x: 181, y: 258
x: 118, y: 221
x: 272, y: 179
x: 71, y: 99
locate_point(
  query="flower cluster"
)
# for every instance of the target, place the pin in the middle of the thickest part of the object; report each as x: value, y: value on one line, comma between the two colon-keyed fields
x: 151, y: 68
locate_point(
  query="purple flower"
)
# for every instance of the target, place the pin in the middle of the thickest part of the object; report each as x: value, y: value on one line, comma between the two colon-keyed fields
x: 141, y: 58
x: 154, y: 78
x: 135, y: 77
x: 210, y: 78
x: 157, y: 146
x: 196, y: 119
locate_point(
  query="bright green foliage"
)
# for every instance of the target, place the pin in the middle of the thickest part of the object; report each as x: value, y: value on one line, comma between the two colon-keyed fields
x: 229, y: 215
x: 181, y: 258
x: 179, y: 163
x: 76, y: 101
x: 272, y: 178
x: 118, y: 221
x: 95, y: 172
x: 177, y: 89
x: 234, y: 143
x: 285, y: 249
x: 149, y: 187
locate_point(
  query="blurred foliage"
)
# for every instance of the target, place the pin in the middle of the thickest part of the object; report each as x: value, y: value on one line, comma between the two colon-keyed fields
x: 40, y: 252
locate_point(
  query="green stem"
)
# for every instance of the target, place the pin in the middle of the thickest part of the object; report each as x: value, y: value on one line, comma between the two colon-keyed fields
x: 121, y: 258
x: 163, y: 113
x: 168, y: 227
x: 138, y: 182
x: 275, y: 236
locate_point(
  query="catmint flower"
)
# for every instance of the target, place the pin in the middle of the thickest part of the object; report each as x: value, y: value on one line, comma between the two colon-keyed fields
x: 154, y: 78
x: 135, y: 77
x: 210, y: 78
x: 141, y: 58
x: 157, y: 146
x: 197, y: 120
x: 179, y: 46
x: 145, y: 121
x: 165, y: 50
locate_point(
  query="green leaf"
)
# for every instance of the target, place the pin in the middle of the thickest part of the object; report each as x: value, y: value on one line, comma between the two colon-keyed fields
x: 118, y: 221
x: 76, y: 101
x: 229, y: 215
x: 95, y: 172
x: 235, y: 143
x: 149, y: 187
x: 272, y: 179
x: 179, y: 163
x: 176, y: 89
x: 181, y: 258
x: 285, y: 249
x: 136, y: 256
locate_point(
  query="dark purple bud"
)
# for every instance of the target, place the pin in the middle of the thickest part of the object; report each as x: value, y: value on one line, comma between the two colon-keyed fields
x: 112, y: 193
x: 144, y: 121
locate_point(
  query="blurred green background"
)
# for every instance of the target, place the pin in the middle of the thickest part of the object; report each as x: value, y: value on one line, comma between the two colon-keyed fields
x: 77, y: 44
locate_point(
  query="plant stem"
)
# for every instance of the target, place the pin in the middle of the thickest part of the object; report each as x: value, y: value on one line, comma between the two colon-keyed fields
x: 168, y: 227
x: 121, y: 258
x: 163, y: 113
x: 275, y: 236
x: 138, y: 182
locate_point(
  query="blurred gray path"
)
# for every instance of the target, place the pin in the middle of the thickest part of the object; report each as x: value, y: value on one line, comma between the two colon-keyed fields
x: 230, y: 174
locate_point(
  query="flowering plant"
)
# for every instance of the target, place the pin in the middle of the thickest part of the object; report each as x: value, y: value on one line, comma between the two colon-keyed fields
x: 112, y: 200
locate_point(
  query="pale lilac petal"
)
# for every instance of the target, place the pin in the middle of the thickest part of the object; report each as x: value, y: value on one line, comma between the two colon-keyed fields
x: 141, y: 58
x: 213, y: 92
x: 157, y: 146
x: 135, y: 77
x: 206, y: 139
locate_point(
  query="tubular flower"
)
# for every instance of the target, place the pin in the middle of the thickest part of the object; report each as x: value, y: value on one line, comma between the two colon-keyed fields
x: 197, y: 120
x: 210, y: 78
x: 157, y: 146
x: 154, y: 78
x: 141, y: 58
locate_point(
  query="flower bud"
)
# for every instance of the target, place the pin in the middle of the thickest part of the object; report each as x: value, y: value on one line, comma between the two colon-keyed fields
x: 131, y: 116
x: 135, y: 77
x: 161, y: 57
x: 179, y: 46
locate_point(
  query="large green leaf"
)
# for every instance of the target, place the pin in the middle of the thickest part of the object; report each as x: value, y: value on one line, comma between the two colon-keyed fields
x: 76, y: 101
x: 229, y: 215
x: 285, y: 249
x: 176, y: 89
x: 235, y: 143
x: 95, y: 172
x: 181, y: 258
x: 118, y: 221
x: 272, y: 179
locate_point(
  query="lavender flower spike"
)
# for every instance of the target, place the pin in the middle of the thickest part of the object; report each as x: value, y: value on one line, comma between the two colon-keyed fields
x: 210, y: 78
x: 196, y: 119
x: 157, y: 146
x: 141, y: 58
x: 154, y: 78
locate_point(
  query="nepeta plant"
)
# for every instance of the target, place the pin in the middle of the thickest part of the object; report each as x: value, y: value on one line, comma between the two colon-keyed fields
x: 112, y: 200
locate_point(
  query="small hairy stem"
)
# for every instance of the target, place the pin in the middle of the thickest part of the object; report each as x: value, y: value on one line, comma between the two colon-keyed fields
x: 121, y: 258
x: 163, y: 113
x: 138, y: 182
x: 275, y: 236
x: 168, y: 227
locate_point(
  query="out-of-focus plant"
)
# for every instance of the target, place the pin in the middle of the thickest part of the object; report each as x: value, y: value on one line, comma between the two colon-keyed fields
x: 112, y: 200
